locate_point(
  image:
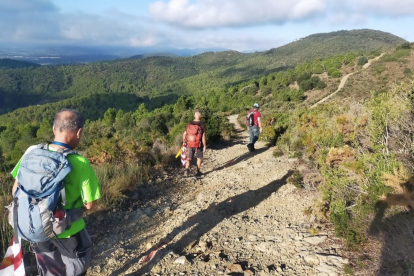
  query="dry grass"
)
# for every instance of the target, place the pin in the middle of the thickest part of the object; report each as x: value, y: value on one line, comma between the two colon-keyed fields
x: 338, y: 156
x: 115, y: 181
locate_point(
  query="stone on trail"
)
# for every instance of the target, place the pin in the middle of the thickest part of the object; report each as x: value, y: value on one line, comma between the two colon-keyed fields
x: 312, y: 259
x: 329, y: 270
x: 333, y: 259
x: 264, y: 246
x: 315, y: 240
x: 252, y: 238
x: 234, y: 268
x: 180, y: 260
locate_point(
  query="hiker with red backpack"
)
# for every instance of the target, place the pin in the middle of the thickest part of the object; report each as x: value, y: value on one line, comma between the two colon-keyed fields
x: 254, y: 124
x: 195, y: 138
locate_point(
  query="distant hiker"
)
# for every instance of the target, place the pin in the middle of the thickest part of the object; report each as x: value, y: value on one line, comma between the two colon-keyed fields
x: 195, y: 138
x: 254, y: 123
x: 66, y: 184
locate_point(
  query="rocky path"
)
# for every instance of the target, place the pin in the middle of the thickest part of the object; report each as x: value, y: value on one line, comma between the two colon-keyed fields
x: 345, y: 79
x: 240, y: 218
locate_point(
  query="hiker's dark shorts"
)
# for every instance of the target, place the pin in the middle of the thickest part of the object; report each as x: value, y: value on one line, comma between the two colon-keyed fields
x: 197, y: 151
x: 53, y: 259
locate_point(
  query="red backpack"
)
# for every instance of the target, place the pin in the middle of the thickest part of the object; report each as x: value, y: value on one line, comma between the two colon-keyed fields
x: 193, y: 135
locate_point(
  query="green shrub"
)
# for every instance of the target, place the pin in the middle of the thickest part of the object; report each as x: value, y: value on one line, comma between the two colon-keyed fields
x: 305, y: 85
x: 379, y: 67
x: 296, y: 179
x: 266, y: 90
x: 277, y: 153
x: 320, y: 85
x: 405, y: 45
x: 334, y: 73
x: 297, y: 95
x: 362, y: 60
x: 408, y: 72
x: 282, y: 95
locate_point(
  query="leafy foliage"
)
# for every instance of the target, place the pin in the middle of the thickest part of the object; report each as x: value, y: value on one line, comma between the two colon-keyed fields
x: 160, y: 76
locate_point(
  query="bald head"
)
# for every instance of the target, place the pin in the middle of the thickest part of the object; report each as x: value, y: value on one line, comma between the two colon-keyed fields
x: 197, y: 114
x: 68, y: 120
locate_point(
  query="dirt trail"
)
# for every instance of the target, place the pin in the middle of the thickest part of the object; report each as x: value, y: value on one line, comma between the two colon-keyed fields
x: 345, y: 79
x: 240, y: 218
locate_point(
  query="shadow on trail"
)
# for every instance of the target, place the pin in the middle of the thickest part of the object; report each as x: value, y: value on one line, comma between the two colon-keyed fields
x: 235, y: 140
x: 238, y: 159
x: 204, y: 221
x: 397, y: 234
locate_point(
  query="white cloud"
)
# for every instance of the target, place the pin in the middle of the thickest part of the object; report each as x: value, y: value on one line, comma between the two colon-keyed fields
x: 231, y: 24
x: 347, y: 19
x: 219, y: 13
x: 39, y: 21
x: 385, y: 7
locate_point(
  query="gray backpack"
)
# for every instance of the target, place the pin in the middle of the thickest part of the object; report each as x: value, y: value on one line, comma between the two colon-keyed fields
x: 38, y: 212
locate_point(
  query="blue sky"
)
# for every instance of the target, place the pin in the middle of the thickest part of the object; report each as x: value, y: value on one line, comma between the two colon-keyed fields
x: 243, y: 25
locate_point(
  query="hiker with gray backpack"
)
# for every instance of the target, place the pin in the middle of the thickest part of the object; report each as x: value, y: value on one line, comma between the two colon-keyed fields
x: 53, y: 186
x: 254, y: 125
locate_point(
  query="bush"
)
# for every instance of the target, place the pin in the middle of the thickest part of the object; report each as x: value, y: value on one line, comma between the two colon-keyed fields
x: 277, y: 153
x: 321, y: 85
x: 334, y: 73
x: 317, y: 69
x: 296, y: 179
x: 266, y: 90
x: 362, y: 60
x: 304, y: 76
x: 306, y: 85
x: 297, y: 95
x: 405, y: 45
x: 282, y: 95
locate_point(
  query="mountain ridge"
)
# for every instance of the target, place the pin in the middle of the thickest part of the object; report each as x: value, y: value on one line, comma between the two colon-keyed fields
x: 157, y: 76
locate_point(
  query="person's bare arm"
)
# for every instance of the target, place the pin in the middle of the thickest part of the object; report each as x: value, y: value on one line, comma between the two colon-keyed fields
x: 89, y: 205
x: 259, y: 120
x: 204, y: 141
x: 184, y: 134
x: 14, y: 187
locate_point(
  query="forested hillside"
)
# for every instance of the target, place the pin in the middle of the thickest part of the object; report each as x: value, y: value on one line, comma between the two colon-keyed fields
x: 6, y: 63
x: 156, y: 76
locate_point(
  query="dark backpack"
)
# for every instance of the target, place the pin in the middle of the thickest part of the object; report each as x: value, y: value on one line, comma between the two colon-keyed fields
x: 194, y: 133
x: 37, y: 212
x: 250, y: 119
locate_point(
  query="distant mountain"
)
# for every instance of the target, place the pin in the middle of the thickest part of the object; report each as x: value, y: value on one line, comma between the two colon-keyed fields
x: 153, y: 55
x: 6, y: 63
x: 335, y: 43
x: 73, y: 54
x: 317, y: 46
